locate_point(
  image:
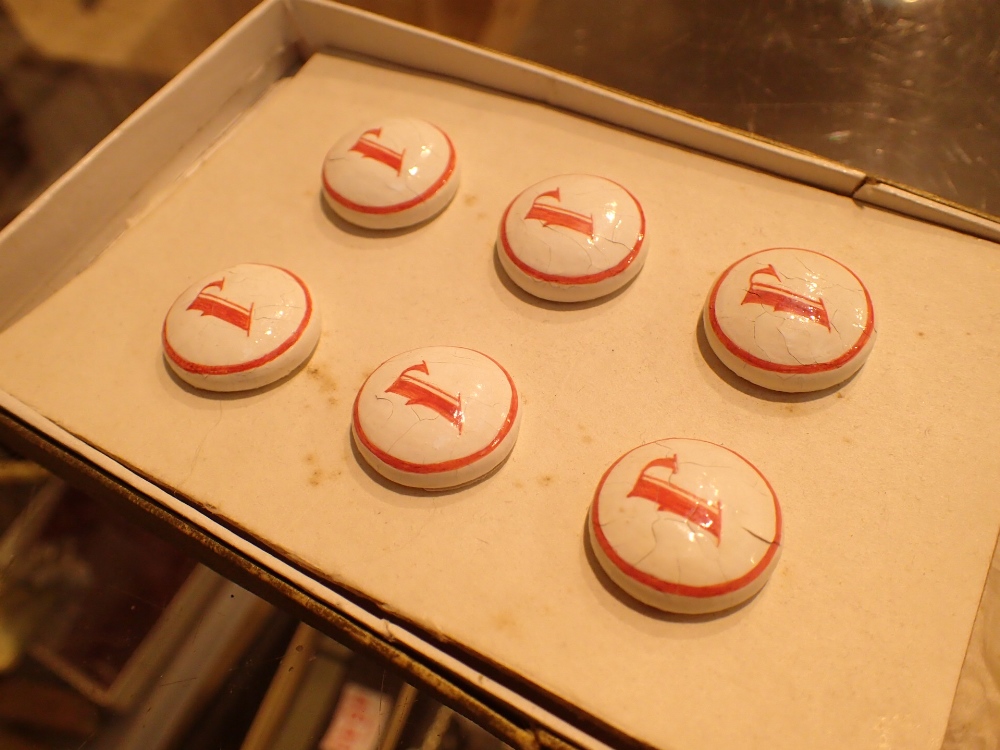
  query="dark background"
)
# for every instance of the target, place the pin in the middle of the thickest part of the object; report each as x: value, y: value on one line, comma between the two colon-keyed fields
x: 905, y: 90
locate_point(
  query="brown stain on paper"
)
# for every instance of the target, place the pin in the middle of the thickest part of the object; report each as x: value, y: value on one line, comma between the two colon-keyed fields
x: 504, y: 622
x: 326, y: 382
x: 318, y: 476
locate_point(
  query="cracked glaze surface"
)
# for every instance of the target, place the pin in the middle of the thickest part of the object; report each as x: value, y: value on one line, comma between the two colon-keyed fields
x: 572, y: 238
x: 436, y: 417
x: 790, y: 320
x: 686, y: 526
x: 241, y: 328
x: 391, y: 174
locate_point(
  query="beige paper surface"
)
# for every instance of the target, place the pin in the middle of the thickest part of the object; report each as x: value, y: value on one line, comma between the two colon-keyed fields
x: 886, y: 485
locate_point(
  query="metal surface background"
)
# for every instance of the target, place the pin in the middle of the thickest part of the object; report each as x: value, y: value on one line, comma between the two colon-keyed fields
x: 906, y: 90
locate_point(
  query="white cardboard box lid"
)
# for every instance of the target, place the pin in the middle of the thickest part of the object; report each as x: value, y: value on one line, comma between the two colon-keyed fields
x: 843, y: 648
x: 265, y: 38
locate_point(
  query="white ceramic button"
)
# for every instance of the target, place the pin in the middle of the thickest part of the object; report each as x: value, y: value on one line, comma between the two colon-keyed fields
x: 436, y: 417
x: 391, y: 174
x: 241, y: 328
x: 572, y: 238
x: 790, y: 320
x: 686, y: 526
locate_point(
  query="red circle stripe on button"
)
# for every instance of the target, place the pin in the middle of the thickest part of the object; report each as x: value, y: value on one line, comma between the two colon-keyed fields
x: 681, y: 589
x: 765, y: 364
x: 454, y: 463
x: 449, y: 169
x: 200, y: 369
x: 592, y: 278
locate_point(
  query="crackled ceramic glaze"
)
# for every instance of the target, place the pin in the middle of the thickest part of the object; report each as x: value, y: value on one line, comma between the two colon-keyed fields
x: 437, y: 417
x: 572, y: 238
x: 686, y: 526
x: 790, y: 320
x: 390, y: 174
x: 241, y: 328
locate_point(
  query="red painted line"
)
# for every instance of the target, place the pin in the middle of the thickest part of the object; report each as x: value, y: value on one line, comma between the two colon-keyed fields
x: 396, y: 208
x: 680, y: 589
x: 452, y: 464
x: 223, y: 309
x: 430, y: 396
x: 561, y: 217
x: 765, y: 364
x: 573, y: 280
x: 680, y: 502
x: 378, y: 152
x: 200, y: 369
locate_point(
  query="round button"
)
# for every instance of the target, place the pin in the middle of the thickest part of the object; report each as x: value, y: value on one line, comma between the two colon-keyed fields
x: 391, y: 174
x: 790, y: 320
x: 241, y: 328
x: 686, y: 526
x: 572, y: 238
x: 437, y: 417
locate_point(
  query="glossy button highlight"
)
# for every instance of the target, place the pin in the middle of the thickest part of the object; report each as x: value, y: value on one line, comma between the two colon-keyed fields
x: 686, y: 526
x: 391, y: 174
x: 572, y: 238
x: 241, y: 328
x: 790, y: 320
x: 437, y: 417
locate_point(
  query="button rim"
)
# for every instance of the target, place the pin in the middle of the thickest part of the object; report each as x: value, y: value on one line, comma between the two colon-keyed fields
x: 428, y: 471
x: 677, y: 597
x: 840, y: 364
x: 399, y: 215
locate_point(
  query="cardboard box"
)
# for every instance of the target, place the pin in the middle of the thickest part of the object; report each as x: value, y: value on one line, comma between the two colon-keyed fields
x: 487, y: 594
